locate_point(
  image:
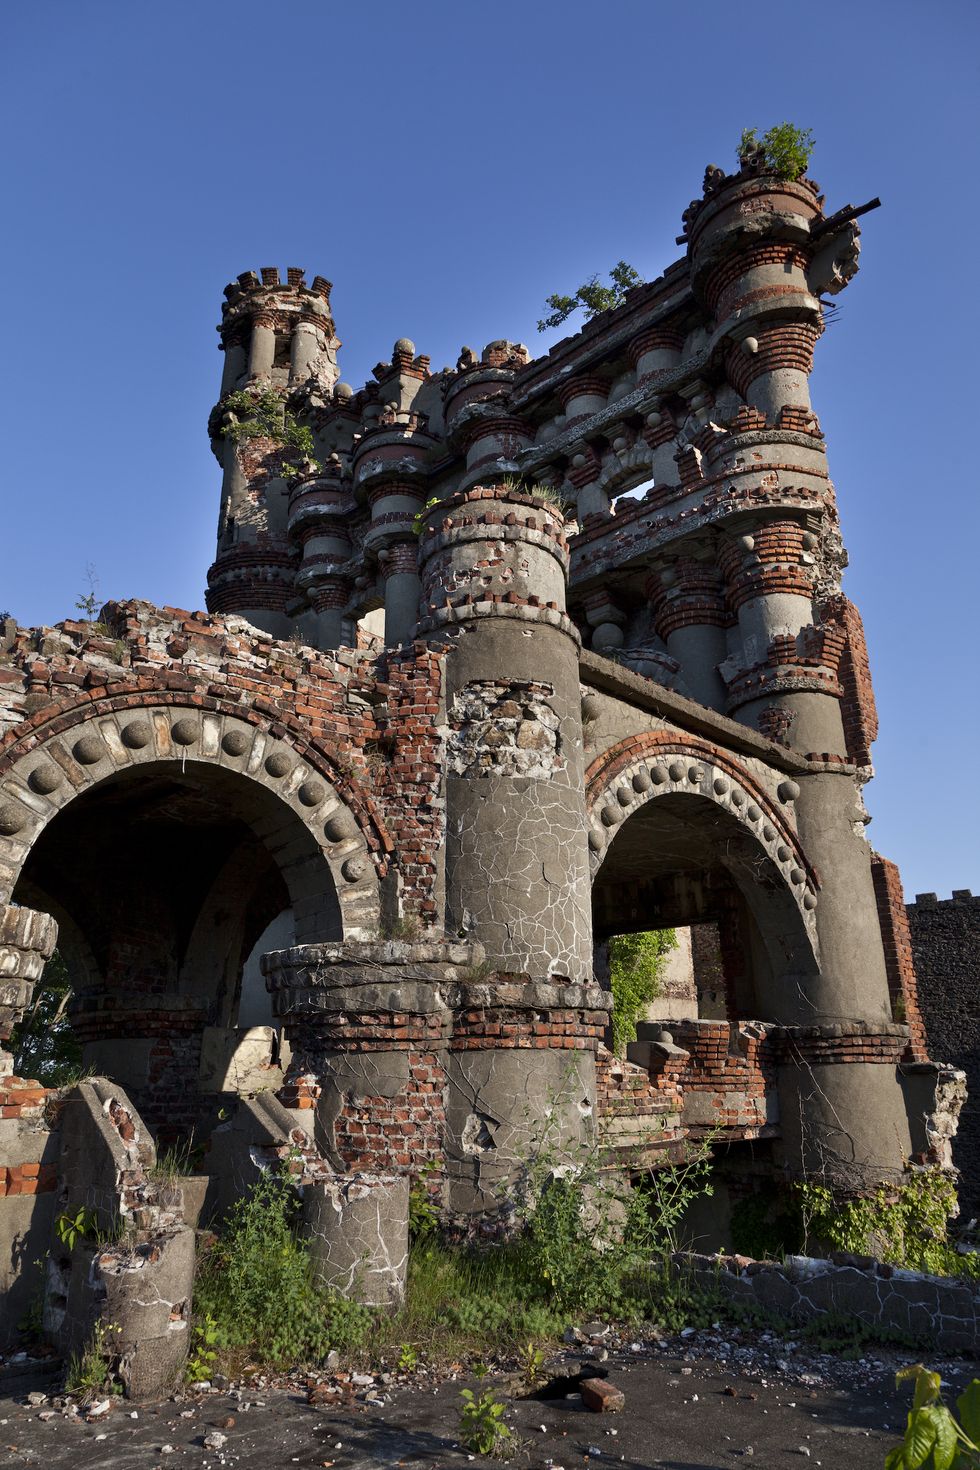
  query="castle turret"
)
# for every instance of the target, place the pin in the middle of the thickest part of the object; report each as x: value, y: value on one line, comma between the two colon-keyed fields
x: 280, y: 354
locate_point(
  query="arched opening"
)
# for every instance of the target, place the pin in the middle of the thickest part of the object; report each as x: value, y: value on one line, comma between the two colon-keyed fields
x: 684, y: 861
x: 168, y: 880
x: 680, y: 861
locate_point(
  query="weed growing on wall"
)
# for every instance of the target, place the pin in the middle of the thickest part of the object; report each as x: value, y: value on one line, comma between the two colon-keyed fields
x: 635, y: 965
x: 592, y: 297
x: 906, y: 1226
x: 264, y: 415
x: 784, y: 150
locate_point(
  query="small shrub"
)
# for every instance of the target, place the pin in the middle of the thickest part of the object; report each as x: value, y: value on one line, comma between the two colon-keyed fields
x: 592, y: 297
x: 635, y: 963
x: 482, y: 1430
x: 785, y: 149
x: 408, y: 1358
x: 257, y: 1284
x: 204, y: 1349
x: 532, y: 1365
x: 423, y: 1208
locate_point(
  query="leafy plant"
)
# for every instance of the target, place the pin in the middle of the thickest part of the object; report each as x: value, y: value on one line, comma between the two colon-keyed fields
x: 43, y: 1043
x: 408, y: 1358
x: 592, y: 1242
x: 592, y: 297
x: 204, y: 1348
x: 418, y: 520
x: 482, y: 1430
x: 784, y: 149
x: 906, y: 1226
x: 532, y: 1365
x: 423, y: 1208
x: 635, y: 963
x: 70, y: 1227
x: 934, y: 1439
x: 258, y: 1287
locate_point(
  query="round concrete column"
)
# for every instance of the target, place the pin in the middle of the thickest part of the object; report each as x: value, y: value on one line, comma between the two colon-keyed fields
x: 690, y: 615
x: 262, y: 349
x: 400, y: 570
x: 233, y: 367
x: 494, y: 564
x: 303, y: 347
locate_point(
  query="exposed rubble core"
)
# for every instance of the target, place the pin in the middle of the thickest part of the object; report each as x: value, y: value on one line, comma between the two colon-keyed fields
x: 499, y: 661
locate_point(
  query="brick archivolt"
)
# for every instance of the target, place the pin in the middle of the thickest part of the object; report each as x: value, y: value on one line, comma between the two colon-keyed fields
x: 644, y: 767
x: 38, y: 781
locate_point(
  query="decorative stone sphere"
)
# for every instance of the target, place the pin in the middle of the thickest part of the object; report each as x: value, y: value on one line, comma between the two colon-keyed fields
x: 677, y: 770
x: 750, y: 345
x: 235, y: 742
x: 608, y: 635
x: 340, y: 826
x: 186, y: 732
x: 354, y: 868
x: 405, y: 344
x: 11, y: 819
x: 137, y: 734
x: 787, y: 791
x: 719, y: 786
x: 89, y: 750
x: 44, y: 779
x: 343, y: 390
x: 278, y: 764
x: 311, y: 793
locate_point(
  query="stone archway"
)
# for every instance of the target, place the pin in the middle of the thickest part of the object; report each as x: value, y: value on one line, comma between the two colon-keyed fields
x: 165, y: 838
x: 664, y: 811
x: 42, y: 774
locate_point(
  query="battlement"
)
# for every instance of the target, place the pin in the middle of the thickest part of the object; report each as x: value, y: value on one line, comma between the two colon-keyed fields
x: 958, y: 898
x: 268, y: 279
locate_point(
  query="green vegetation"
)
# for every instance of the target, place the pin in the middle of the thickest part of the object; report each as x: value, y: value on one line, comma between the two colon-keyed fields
x: 592, y: 297
x: 256, y: 1287
x: 88, y: 603
x: 905, y: 1225
x: 482, y: 1430
x: 934, y: 1438
x: 93, y: 1370
x: 635, y: 965
x: 264, y: 415
x: 785, y: 149
x: 43, y: 1043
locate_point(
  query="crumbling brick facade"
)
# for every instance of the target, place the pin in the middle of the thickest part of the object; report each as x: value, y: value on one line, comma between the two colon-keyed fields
x: 524, y: 654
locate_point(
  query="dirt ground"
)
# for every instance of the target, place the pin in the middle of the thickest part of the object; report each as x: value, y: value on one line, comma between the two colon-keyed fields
x: 691, y: 1404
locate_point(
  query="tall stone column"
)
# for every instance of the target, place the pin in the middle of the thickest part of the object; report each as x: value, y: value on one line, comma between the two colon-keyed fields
x: 320, y: 507
x: 494, y: 564
x: 754, y: 243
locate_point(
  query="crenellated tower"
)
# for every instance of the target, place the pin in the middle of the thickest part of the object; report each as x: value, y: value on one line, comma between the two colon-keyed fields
x: 280, y: 361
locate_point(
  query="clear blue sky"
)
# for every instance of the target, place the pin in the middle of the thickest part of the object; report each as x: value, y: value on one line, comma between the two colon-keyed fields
x: 447, y: 166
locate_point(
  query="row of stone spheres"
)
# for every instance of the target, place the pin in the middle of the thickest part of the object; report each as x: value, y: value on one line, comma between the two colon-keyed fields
x: 499, y: 661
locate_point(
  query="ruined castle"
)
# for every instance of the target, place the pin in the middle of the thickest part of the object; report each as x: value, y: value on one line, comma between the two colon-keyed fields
x: 499, y: 661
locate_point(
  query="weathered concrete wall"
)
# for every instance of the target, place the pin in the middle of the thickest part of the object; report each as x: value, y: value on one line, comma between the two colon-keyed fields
x: 940, y: 1312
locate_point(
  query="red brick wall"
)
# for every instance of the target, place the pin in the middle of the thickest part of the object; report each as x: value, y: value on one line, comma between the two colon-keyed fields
x: 897, y: 940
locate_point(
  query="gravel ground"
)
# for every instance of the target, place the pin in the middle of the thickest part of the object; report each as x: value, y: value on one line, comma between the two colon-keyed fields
x: 693, y: 1402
